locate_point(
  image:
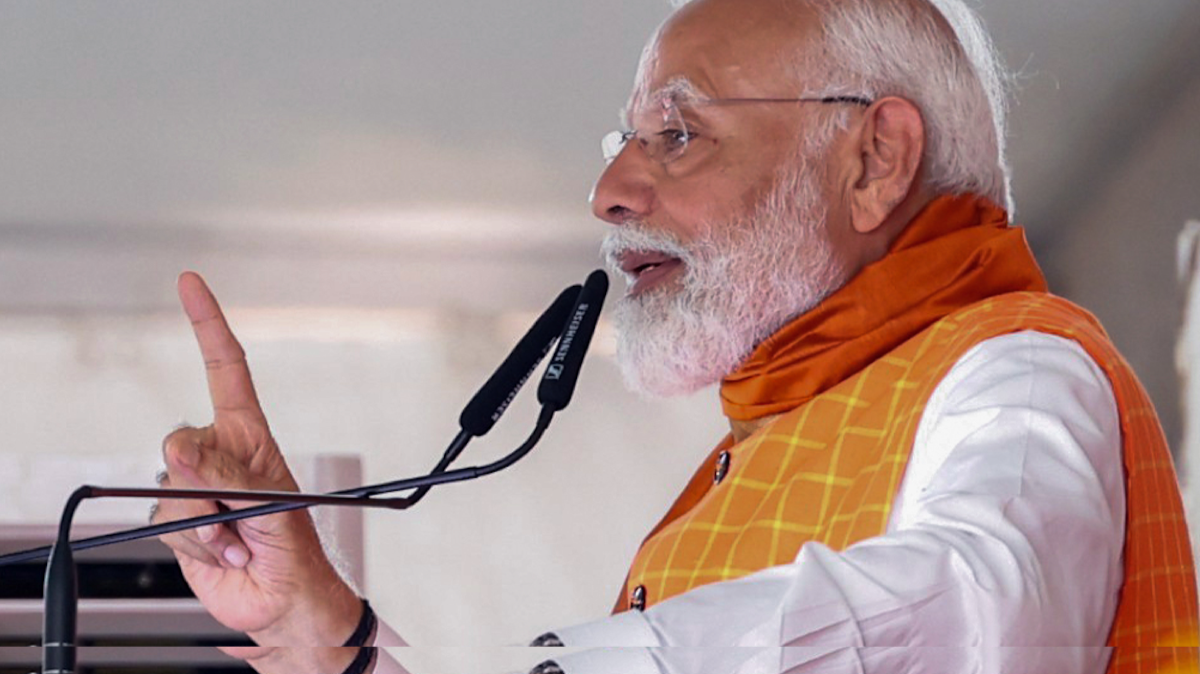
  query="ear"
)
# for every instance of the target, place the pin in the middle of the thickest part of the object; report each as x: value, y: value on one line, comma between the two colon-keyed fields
x: 890, y: 145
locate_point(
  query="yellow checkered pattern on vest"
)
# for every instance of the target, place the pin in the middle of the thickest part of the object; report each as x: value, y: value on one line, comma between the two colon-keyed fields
x: 828, y: 472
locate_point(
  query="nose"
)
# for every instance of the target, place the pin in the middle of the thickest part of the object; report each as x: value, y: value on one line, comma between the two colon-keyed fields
x: 625, y: 190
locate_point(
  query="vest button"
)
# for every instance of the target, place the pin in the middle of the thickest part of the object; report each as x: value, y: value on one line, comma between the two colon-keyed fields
x: 722, y: 468
x: 637, y: 598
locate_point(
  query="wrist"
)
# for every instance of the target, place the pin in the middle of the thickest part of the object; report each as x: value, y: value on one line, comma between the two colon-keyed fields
x: 301, y: 660
x: 364, y: 632
x: 326, y: 615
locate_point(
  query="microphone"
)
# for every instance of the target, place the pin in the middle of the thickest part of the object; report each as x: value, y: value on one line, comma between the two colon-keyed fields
x: 575, y: 310
x: 499, y: 391
x: 476, y: 419
x: 558, y: 383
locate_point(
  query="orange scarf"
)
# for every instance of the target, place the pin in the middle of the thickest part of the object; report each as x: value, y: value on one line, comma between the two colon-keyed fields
x: 958, y: 251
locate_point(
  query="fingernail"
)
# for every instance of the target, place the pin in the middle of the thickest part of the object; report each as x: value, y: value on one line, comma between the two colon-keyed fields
x: 188, y: 455
x: 237, y: 555
x: 207, y: 532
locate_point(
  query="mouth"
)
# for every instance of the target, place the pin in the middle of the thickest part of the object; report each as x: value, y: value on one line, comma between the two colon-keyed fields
x: 647, y: 269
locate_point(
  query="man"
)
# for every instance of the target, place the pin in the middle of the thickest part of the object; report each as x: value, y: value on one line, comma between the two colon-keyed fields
x: 933, y: 464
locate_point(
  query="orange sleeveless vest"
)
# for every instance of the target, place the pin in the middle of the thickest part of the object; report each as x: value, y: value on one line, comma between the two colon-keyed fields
x: 829, y: 470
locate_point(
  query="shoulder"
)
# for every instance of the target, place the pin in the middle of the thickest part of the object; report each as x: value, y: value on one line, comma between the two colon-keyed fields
x: 1015, y: 401
x: 1022, y: 357
x: 1042, y: 376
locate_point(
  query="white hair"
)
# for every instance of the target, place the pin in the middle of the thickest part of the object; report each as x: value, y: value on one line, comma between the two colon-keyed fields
x: 936, y: 54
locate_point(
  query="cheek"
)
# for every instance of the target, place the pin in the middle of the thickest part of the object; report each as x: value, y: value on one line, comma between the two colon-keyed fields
x: 701, y: 203
x: 742, y: 184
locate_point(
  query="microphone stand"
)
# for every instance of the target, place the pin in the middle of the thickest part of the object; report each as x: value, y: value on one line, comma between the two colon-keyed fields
x: 61, y: 588
x: 581, y: 308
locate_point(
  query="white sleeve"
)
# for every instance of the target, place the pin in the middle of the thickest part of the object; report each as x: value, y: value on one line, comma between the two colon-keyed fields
x: 1002, y: 554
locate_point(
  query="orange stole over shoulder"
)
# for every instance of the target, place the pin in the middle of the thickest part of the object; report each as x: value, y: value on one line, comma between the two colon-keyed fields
x: 828, y: 470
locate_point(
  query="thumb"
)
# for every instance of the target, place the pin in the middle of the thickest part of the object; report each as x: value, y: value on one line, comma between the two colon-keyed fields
x: 196, y: 462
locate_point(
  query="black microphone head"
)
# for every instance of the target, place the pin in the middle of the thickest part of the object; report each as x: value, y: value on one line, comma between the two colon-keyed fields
x: 558, y: 382
x: 494, y: 397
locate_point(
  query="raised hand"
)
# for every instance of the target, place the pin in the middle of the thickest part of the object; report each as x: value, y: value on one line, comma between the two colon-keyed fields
x: 268, y: 576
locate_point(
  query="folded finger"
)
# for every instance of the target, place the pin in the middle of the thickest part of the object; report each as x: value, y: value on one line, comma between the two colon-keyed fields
x: 194, y: 464
x: 187, y: 542
x: 211, y: 544
x: 214, y: 544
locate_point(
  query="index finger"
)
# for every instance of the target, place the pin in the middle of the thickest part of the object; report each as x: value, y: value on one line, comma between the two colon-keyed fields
x: 229, y: 383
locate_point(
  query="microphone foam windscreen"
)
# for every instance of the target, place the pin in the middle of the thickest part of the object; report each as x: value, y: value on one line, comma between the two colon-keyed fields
x: 558, y: 382
x: 494, y: 397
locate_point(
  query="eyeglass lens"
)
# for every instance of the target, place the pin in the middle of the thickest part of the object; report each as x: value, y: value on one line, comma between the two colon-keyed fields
x: 660, y: 132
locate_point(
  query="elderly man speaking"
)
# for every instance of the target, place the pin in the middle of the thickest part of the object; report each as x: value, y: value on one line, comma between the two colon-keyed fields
x: 934, y: 465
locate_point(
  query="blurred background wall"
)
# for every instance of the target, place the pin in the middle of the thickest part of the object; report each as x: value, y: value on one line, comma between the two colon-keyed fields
x: 383, y: 194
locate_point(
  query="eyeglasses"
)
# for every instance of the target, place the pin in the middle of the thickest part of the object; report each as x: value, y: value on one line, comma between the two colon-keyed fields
x: 669, y: 142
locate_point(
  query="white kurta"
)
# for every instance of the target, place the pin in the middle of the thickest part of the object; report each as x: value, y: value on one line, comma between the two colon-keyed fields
x: 1002, y: 553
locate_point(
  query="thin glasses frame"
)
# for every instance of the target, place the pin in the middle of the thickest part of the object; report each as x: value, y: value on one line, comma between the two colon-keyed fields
x: 670, y: 144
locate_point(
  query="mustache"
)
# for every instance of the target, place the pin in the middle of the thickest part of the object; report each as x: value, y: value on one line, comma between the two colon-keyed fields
x: 637, y: 237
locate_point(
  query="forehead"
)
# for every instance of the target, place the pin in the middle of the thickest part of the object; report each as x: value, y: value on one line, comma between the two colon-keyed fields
x: 726, y: 49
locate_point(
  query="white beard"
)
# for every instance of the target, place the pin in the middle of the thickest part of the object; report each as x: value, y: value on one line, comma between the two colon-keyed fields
x: 741, y: 282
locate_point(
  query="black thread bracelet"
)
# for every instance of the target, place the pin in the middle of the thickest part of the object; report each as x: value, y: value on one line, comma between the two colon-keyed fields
x: 361, y: 661
x: 366, y: 625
